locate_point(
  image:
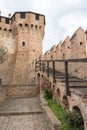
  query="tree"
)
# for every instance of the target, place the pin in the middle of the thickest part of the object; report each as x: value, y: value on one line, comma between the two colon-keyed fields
x: 3, y: 52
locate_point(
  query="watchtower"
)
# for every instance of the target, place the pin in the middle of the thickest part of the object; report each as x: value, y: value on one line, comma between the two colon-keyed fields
x: 28, y: 35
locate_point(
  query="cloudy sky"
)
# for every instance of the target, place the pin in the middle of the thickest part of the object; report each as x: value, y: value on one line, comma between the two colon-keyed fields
x: 63, y: 17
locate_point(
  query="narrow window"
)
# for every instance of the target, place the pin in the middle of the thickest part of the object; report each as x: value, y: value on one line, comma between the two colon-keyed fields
x: 68, y: 47
x: 40, y: 27
x: 23, y: 43
x: 0, y: 19
x: 5, y: 29
x: 37, y: 16
x: 0, y: 81
x: 7, y: 20
x: 36, y: 26
x: 81, y: 43
x: 22, y: 15
x: 51, y: 57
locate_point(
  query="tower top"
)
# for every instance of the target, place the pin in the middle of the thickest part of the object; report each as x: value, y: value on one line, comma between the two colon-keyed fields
x: 22, y: 13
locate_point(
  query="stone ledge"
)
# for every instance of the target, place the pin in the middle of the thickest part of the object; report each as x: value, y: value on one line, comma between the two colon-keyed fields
x: 43, y: 102
x: 53, y: 122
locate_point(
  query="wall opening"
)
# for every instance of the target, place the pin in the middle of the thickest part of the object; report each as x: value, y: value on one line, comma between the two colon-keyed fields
x: 0, y: 81
x: 36, y: 16
x: 65, y: 102
x: 58, y: 92
x: 81, y: 43
x: 23, y: 43
x: 77, y: 119
x: 7, y: 20
x: 22, y: 15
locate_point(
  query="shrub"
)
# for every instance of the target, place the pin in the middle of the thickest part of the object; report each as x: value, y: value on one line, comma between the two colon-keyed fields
x: 48, y: 94
x: 75, y: 121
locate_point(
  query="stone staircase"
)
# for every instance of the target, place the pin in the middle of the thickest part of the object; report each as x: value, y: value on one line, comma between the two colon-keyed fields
x: 22, y: 114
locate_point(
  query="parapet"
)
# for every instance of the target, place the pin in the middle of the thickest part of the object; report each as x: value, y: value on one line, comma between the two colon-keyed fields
x: 23, y: 16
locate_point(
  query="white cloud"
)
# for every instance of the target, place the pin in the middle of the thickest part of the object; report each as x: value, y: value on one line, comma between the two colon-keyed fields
x: 63, y: 17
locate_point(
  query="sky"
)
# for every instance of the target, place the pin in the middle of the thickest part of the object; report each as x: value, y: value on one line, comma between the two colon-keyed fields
x: 63, y: 17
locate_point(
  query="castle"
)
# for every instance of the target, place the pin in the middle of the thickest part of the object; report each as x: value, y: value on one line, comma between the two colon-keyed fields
x: 22, y: 35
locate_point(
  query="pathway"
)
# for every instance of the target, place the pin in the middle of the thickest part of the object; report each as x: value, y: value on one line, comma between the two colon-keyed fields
x: 22, y: 114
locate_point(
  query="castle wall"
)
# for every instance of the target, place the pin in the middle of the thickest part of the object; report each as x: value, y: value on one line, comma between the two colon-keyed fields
x: 71, y: 48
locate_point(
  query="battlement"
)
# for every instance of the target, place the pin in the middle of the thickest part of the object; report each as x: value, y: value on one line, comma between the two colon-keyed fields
x: 5, y: 20
x: 31, y: 16
x: 22, y: 19
x: 23, y: 16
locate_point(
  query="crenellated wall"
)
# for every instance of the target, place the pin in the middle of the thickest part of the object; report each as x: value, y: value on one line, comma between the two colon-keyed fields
x: 71, y: 48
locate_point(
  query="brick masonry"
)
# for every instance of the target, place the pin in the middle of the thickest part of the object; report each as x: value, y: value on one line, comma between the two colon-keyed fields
x: 22, y: 34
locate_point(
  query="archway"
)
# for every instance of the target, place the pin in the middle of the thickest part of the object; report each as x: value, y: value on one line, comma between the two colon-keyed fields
x: 65, y: 102
x: 77, y: 121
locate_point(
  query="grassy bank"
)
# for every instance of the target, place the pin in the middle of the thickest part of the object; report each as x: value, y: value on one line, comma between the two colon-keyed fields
x: 61, y: 114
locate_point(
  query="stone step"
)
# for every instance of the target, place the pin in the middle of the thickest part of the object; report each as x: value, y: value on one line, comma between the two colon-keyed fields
x: 21, y: 106
x: 20, y: 113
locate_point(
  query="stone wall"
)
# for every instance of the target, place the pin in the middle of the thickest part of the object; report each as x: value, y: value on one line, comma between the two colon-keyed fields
x: 21, y: 91
x: 2, y: 94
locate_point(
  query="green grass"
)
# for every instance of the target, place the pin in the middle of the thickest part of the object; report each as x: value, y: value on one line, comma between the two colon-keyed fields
x: 59, y: 112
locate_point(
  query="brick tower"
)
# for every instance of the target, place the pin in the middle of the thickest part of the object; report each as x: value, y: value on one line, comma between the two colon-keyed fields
x: 29, y: 32
x: 26, y: 32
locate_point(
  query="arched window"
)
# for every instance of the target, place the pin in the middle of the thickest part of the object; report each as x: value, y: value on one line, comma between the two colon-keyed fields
x: 23, y: 43
x: 0, y: 28
x: 26, y: 25
x: 36, y: 26
x: 20, y: 24
x: 5, y: 29
x: 31, y: 25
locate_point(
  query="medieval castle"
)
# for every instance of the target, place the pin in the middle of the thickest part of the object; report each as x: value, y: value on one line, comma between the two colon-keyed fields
x: 22, y: 35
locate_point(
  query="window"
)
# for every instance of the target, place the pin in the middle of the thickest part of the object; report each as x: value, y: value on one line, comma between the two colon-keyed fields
x: 0, y: 81
x: 0, y: 19
x: 81, y: 43
x: 31, y: 25
x: 20, y: 24
x: 26, y: 25
x: 23, y: 43
x: 37, y: 16
x: 10, y: 30
x: 22, y: 15
x: 40, y: 27
x: 68, y: 47
x: 5, y: 29
x: 51, y: 57
x: 36, y: 26
x: 7, y: 20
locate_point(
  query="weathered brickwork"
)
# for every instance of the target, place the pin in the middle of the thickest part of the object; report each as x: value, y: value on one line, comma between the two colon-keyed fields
x: 22, y: 34
x: 71, y: 48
